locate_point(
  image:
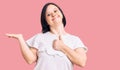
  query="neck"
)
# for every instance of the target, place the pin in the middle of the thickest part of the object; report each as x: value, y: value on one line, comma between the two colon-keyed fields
x: 58, y: 30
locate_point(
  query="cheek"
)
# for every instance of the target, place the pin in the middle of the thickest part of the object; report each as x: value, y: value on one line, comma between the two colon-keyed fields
x: 48, y: 19
x: 61, y: 15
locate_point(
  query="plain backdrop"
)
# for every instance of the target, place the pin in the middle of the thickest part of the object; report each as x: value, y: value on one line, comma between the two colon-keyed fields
x: 96, y: 22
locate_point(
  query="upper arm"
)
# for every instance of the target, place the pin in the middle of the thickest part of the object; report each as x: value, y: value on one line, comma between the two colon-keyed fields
x: 34, y: 51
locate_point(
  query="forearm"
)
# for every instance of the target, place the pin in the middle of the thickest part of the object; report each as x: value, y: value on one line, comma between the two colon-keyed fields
x: 76, y: 58
x: 26, y: 52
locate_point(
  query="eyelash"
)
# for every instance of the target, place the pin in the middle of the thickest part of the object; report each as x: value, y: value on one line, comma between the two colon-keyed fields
x: 54, y: 12
x: 48, y: 14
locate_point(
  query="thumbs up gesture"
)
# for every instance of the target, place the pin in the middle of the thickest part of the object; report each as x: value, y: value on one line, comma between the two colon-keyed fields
x: 58, y: 43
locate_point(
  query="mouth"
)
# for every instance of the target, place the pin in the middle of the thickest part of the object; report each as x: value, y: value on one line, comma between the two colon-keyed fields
x: 56, y: 17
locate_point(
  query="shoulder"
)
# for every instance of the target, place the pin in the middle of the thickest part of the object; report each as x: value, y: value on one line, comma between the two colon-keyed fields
x: 39, y: 35
x: 73, y: 37
x: 36, y: 36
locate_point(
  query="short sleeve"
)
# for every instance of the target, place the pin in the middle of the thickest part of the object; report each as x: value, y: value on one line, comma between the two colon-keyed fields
x: 79, y: 44
x: 33, y: 41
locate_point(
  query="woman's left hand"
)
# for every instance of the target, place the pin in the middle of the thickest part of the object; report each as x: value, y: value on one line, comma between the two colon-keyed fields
x: 58, y: 44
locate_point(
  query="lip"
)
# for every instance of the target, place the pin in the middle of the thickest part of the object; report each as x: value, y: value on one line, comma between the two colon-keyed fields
x: 55, y: 17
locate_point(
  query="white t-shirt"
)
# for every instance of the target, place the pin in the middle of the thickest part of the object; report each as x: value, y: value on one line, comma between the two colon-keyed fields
x: 50, y: 59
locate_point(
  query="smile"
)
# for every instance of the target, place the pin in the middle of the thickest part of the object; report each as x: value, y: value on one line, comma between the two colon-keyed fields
x: 56, y: 17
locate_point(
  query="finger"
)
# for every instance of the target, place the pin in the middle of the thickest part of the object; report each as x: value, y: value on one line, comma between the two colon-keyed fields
x: 60, y: 31
x: 10, y: 35
x: 60, y: 37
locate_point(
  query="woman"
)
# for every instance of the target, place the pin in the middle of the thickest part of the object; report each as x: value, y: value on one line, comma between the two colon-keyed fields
x: 54, y: 48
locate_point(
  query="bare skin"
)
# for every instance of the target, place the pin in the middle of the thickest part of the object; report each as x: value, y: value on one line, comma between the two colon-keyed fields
x: 54, y: 19
x: 29, y: 54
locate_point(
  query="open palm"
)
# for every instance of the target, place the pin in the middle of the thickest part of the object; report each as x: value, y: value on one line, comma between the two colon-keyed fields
x: 14, y: 35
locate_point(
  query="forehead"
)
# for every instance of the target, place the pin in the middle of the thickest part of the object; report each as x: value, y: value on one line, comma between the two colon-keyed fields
x: 51, y: 8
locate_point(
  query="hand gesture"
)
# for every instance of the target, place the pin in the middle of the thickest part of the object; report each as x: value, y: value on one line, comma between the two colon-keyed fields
x: 58, y: 43
x: 16, y: 36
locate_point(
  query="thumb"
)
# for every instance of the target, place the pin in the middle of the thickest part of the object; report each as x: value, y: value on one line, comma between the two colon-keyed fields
x: 60, y: 37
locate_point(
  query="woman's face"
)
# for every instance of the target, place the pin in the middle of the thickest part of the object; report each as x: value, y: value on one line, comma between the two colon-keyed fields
x: 53, y: 15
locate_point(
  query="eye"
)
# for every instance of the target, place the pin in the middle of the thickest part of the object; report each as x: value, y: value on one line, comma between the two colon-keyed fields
x: 48, y: 14
x: 55, y: 11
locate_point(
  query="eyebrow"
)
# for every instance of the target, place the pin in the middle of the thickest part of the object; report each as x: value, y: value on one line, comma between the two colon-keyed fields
x: 53, y: 9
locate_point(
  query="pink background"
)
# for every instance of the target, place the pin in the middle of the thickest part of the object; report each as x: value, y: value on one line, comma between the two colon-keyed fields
x: 97, y: 23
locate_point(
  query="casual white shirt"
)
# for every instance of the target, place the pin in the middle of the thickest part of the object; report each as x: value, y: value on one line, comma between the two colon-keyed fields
x: 50, y: 59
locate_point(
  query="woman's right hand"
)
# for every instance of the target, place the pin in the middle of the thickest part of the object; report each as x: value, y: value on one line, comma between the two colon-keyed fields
x: 29, y: 54
x: 16, y: 36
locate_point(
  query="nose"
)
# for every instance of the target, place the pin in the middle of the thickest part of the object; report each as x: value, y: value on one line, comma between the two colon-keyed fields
x: 53, y: 14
